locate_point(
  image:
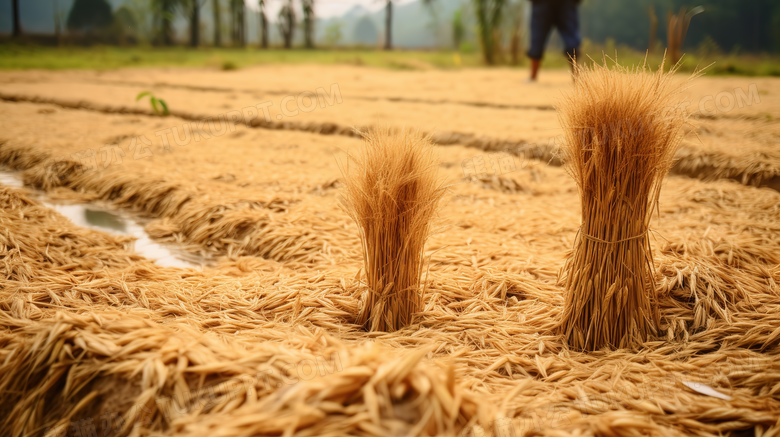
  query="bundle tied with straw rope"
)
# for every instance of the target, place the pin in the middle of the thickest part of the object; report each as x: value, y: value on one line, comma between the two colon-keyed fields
x: 392, y: 191
x: 622, y: 127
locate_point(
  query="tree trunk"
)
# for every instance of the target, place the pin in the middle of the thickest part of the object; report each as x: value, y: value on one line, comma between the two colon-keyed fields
x: 291, y: 23
x: 308, y: 42
x: 498, y: 50
x: 232, y: 22
x: 195, y: 24
x: 485, y: 31
x: 217, y: 24
x: 489, y: 13
x: 308, y: 23
x: 166, y: 26
x: 514, y: 46
x: 17, y: 22
x: 237, y: 21
x: 166, y: 31
x: 287, y: 24
x: 263, y: 30
x: 241, y: 24
x: 57, y: 31
x: 516, y: 38
x: 389, y: 26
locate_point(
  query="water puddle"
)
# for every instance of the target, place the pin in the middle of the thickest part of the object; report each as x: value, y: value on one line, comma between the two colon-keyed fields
x: 93, y: 217
x: 89, y: 216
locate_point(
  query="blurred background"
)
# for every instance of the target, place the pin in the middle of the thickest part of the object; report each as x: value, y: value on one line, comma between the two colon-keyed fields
x: 742, y: 36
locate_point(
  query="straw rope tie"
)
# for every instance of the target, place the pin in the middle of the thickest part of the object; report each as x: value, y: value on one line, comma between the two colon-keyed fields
x: 599, y: 240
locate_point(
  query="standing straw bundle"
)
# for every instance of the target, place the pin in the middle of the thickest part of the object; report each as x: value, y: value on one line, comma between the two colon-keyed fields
x: 622, y: 128
x: 392, y: 192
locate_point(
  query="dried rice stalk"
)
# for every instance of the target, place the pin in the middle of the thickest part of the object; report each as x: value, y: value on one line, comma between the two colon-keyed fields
x: 622, y: 129
x: 392, y: 191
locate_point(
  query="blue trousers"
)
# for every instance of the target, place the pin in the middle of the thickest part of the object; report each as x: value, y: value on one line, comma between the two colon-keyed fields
x: 559, y: 13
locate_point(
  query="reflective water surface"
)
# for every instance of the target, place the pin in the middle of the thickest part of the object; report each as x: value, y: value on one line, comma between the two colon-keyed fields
x: 93, y: 217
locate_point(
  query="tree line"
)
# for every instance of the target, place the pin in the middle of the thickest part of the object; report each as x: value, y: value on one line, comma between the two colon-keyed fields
x: 153, y: 21
x: 498, y: 26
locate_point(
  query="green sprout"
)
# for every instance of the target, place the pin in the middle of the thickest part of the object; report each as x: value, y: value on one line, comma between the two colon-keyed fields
x: 158, y: 105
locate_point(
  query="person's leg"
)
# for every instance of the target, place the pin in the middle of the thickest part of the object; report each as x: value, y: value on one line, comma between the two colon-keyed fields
x: 535, y: 64
x: 541, y: 22
x: 568, y: 24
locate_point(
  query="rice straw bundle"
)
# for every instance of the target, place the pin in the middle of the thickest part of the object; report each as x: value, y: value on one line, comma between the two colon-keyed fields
x: 392, y: 191
x: 622, y: 128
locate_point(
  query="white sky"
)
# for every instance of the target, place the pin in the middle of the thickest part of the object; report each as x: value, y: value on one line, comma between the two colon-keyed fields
x: 328, y: 8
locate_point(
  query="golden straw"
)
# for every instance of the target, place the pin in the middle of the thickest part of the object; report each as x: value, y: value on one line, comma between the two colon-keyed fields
x: 392, y: 191
x: 622, y: 128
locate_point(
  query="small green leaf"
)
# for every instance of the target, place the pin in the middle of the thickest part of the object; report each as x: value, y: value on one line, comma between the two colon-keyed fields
x: 164, y: 105
x: 140, y: 95
x: 154, y: 105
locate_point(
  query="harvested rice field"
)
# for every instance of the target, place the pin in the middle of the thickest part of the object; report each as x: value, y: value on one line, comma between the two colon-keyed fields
x: 262, y: 328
